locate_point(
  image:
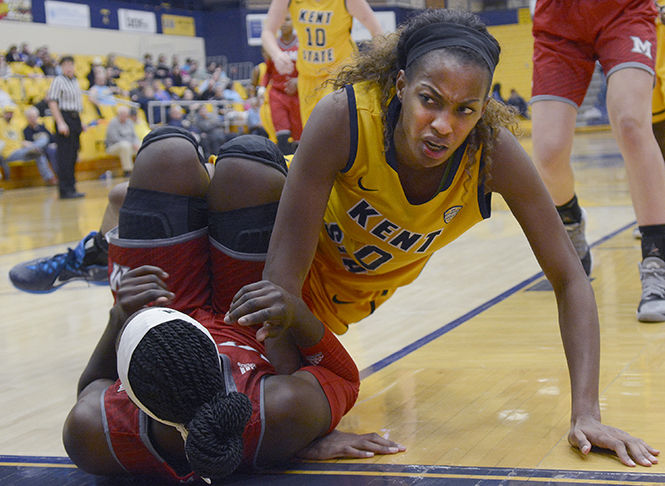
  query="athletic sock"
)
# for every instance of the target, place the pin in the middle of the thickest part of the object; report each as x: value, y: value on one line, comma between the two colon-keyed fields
x: 653, y: 241
x: 571, y: 212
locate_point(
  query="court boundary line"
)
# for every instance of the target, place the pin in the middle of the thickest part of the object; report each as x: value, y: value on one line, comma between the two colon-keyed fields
x: 405, y: 471
x: 428, y: 338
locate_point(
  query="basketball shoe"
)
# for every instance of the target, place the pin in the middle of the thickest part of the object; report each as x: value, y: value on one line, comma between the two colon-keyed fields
x: 48, y: 274
x: 652, y: 305
x: 576, y: 234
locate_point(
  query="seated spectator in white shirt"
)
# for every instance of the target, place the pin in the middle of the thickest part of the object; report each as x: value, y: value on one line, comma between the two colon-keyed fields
x: 121, y: 139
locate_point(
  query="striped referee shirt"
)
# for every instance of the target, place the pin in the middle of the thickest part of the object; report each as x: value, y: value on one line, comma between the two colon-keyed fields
x: 66, y: 92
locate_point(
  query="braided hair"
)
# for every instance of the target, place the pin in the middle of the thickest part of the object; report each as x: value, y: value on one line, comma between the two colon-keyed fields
x: 175, y: 373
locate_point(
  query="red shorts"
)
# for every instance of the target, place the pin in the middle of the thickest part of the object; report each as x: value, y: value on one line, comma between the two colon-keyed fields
x: 202, y: 273
x: 570, y: 35
x: 285, y: 113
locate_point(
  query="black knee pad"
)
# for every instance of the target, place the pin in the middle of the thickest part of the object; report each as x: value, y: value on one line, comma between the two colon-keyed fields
x: 256, y: 148
x: 163, y: 132
x: 245, y: 230
x: 149, y: 215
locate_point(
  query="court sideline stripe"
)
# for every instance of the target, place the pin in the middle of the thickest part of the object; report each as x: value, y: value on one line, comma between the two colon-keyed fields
x: 419, y: 343
x: 419, y: 475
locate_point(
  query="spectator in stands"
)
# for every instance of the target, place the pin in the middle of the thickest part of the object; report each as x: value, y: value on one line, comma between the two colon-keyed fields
x: 14, y: 148
x: 143, y: 99
x: 121, y: 139
x: 28, y: 57
x: 13, y: 55
x: 5, y: 69
x: 168, y: 87
x: 176, y: 117
x: 230, y: 94
x: 519, y: 103
x: 137, y: 90
x: 37, y: 136
x: 65, y: 102
x: 175, y: 75
x: 9, y: 138
x: 196, y: 71
x: 207, y: 87
x: 254, y: 125
x: 49, y: 66
x: 6, y: 100
x: 160, y: 91
x: 162, y: 69
x: 94, y: 68
x: 100, y: 94
x: 496, y: 93
x: 148, y: 65
x: 112, y: 70
x: 211, y: 129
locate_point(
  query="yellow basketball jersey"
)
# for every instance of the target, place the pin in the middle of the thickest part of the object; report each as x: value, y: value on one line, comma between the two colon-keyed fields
x: 374, y: 239
x: 324, y: 33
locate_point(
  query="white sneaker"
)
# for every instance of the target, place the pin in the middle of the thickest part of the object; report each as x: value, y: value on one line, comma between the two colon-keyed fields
x: 637, y: 234
x: 576, y: 234
x: 652, y: 305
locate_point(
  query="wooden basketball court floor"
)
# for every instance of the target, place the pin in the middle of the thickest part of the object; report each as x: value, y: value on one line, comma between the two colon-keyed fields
x: 465, y: 367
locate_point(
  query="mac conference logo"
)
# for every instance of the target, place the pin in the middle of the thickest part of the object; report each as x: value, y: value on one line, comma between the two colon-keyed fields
x: 451, y: 213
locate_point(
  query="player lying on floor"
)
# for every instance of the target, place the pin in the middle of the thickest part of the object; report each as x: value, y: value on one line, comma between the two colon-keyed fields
x: 189, y: 243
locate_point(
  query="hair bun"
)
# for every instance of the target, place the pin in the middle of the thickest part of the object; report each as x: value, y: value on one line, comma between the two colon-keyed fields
x: 214, y: 444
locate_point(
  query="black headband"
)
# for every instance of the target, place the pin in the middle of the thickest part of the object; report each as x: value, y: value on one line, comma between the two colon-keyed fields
x: 448, y: 34
x: 160, y: 133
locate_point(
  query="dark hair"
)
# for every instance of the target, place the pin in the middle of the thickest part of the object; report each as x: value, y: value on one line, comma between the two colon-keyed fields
x: 386, y: 55
x: 65, y: 59
x: 175, y: 373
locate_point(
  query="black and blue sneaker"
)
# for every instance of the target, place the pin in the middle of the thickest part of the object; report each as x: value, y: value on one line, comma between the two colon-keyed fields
x: 48, y: 274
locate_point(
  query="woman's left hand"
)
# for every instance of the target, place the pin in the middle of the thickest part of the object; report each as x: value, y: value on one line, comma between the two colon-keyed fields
x: 587, y: 431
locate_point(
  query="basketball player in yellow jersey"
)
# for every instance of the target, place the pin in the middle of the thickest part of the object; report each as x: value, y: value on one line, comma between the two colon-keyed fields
x: 400, y: 163
x: 323, y: 28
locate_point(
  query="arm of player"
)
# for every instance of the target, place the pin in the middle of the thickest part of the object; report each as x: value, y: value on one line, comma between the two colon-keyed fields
x: 300, y: 214
x: 516, y: 179
x: 139, y: 287
x: 274, y: 19
x: 361, y: 10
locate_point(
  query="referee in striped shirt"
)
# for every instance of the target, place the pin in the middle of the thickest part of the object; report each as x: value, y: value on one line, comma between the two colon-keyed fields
x: 64, y: 100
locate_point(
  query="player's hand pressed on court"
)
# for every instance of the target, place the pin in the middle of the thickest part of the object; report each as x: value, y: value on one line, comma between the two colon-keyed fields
x: 343, y: 444
x: 142, y: 286
x: 266, y: 304
x: 587, y: 431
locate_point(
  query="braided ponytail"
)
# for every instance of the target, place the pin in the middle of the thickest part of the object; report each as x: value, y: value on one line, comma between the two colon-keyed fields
x: 214, y: 444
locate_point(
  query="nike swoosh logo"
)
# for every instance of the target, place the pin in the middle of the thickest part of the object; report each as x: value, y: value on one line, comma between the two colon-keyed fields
x: 337, y: 301
x: 360, y: 185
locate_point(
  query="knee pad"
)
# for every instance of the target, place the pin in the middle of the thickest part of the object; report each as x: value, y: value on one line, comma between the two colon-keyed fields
x: 256, y: 148
x: 149, y: 215
x: 245, y: 230
x: 161, y: 133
